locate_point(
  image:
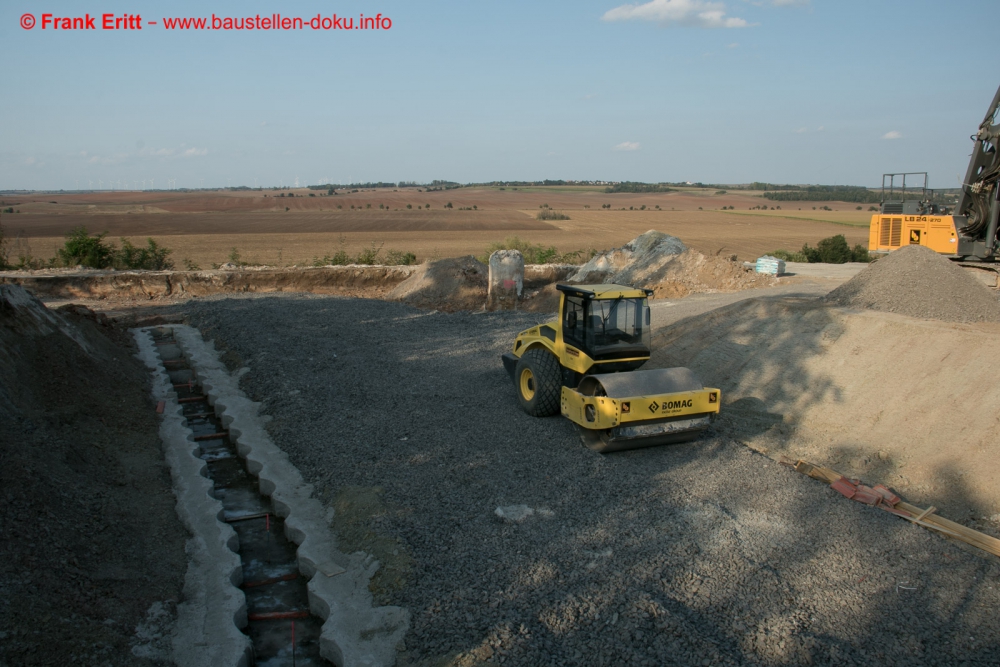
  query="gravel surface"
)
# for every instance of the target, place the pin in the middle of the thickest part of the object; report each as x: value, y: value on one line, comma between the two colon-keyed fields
x: 918, y: 282
x: 704, y: 553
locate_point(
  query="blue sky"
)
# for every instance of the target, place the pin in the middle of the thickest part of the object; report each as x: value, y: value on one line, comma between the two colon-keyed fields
x: 726, y: 92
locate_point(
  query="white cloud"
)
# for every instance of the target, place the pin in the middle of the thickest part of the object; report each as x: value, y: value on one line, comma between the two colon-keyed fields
x: 156, y: 152
x: 697, y: 13
x: 733, y: 45
x: 801, y: 130
x: 892, y: 135
x: 789, y: 3
x: 195, y: 152
x: 627, y: 146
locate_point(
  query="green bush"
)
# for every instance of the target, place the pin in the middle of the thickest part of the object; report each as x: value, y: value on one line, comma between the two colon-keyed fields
x: 831, y: 250
x: 399, y: 258
x: 536, y: 254
x: 82, y: 249
x: 549, y: 214
x: 151, y: 258
x: 789, y: 256
x: 369, y: 256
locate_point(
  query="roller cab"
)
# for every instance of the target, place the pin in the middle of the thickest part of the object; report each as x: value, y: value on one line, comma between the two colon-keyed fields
x: 585, y: 365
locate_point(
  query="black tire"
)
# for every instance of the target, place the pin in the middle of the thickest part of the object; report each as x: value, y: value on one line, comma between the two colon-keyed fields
x: 537, y: 381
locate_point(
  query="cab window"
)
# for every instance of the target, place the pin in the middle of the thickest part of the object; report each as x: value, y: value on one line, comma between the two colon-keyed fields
x: 573, y: 321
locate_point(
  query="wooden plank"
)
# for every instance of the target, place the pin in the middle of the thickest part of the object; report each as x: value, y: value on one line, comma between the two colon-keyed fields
x: 920, y: 516
x: 964, y: 533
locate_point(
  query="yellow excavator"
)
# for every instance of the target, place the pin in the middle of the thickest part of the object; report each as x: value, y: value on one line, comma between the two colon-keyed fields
x: 585, y: 365
x: 908, y: 215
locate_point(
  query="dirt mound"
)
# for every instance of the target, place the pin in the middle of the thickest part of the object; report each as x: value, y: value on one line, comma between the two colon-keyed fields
x: 873, y: 395
x: 638, y: 262
x: 918, y: 282
x: 90, y: 537
x: 446, y: 284
x: 664, y: 264
x: 691, y: 272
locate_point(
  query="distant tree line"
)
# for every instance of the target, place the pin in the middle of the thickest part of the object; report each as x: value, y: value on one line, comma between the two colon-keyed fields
x: 847, y: 193
x: 342, y: 186
x: 636, y: 187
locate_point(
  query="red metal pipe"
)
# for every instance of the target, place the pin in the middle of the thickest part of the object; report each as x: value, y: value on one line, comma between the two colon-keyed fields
x: 245, y: 517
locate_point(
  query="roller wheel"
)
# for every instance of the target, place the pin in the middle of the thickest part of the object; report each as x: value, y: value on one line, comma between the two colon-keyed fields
x: 536, y: 378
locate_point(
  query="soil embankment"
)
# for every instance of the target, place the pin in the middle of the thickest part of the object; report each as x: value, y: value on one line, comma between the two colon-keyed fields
x: 908, y: 400
x: 91, y: 546
x: 654, y: 260
x: 367, y: 281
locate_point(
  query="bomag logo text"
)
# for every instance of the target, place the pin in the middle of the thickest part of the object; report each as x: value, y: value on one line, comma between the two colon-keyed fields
x: 672, y: 405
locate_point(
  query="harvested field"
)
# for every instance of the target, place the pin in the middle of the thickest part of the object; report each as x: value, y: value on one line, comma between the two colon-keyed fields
x: 698, y: 552
x: 258, y: 223
x: 205, y: 226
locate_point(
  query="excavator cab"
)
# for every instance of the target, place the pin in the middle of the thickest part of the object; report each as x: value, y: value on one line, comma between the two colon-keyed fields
x: 585, y: 364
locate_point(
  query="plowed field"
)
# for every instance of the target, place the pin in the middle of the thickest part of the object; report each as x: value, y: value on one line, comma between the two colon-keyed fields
x: 205, y: 226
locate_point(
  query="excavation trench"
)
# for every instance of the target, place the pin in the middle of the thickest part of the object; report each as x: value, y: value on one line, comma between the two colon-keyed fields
x: 279, y: 623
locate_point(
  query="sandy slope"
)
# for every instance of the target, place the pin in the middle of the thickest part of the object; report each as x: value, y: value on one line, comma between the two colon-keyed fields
x: 882, y: 396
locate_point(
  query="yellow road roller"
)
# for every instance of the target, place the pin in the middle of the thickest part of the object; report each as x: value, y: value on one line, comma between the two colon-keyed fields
x: 585, y: 364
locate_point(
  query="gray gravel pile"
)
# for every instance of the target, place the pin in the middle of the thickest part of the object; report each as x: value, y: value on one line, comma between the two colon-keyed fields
x: 918, y: 282
x: 697, y: 554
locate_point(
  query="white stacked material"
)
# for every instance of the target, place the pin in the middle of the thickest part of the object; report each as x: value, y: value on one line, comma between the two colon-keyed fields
x: 771, y: 265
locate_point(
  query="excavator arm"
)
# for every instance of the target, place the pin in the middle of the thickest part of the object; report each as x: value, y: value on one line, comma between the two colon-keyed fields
x: 978, y: 201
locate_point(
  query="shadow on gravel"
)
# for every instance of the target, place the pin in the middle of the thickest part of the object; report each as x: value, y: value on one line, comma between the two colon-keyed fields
x: 699, y: 553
